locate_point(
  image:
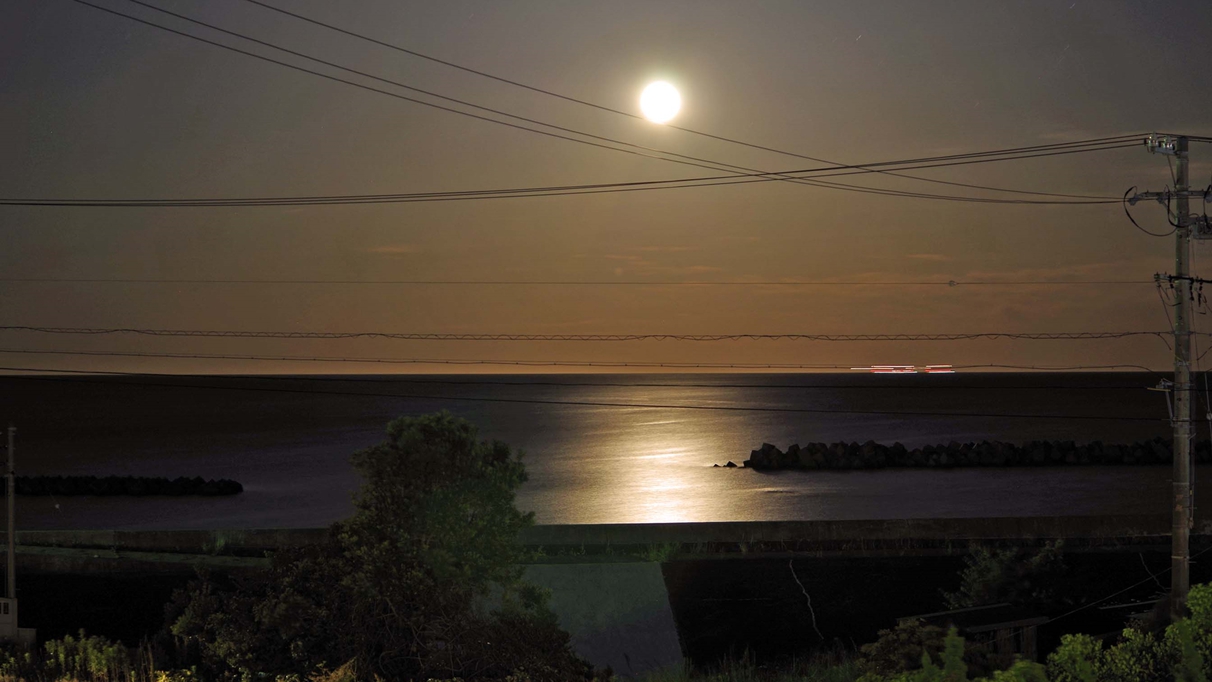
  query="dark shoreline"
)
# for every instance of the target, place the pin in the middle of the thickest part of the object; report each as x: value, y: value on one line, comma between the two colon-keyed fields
x: 871, y: 455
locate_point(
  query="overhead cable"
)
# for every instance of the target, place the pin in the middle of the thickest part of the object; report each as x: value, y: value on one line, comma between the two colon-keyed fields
x: 464, y: 336
x: 603, y: 188
x: 634, y: 116
x: 1128, y: 213
x: 573, y: 282
x: 694, y: 161
x: 684, y: 160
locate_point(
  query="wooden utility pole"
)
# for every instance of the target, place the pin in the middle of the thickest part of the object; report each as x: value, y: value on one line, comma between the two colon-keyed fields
x: 1180, y: 552
x: 1182, y: 281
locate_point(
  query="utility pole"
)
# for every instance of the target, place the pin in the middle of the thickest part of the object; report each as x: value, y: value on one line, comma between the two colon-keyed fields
x: 1182, y: 498
x: 1180, y: 552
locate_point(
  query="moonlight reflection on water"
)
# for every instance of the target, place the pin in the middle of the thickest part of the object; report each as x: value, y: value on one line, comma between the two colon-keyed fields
x: 589, y: 463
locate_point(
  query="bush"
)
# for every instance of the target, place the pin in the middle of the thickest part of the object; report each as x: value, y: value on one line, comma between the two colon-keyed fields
x: 1180, y: 653
x: 1015, y: 576
x: 84, y: 658
x: 901, y: 649
x: 399, y: 590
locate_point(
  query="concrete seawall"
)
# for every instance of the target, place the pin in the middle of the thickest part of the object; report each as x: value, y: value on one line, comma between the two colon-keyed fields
x: 811, y: 535
x: 118, y: 551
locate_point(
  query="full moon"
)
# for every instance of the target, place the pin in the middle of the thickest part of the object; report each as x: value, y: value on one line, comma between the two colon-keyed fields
x: 660, y: 102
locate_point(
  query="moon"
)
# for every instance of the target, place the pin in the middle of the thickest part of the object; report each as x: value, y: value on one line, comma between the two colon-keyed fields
x: 660, y: 102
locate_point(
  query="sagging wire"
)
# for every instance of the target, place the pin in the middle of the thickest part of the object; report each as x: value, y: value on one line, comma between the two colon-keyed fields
x: 1152, y: 576
x: 1166, y: 386
x: 1205, y: 353
x: 1166, y: 303
x: 1133, y: 220
x: 1171, y: 215
x: 1207, y: 195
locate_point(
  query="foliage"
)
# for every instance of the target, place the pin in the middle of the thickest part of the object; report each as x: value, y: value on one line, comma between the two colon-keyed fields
x: 954, y: 668
x: 901, y: 649
x: 1021, y: 671
x: 84, y: 658
x: 1180, y: 653
x: 1073, y: 660
x: 399, y: 590
x: 660, y: 553
x: 1190, y: 665
x: 94, y: 658
x: 1015, y: 576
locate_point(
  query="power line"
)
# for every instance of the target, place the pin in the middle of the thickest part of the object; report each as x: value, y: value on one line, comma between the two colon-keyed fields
x: 464, y: 336
x: 628, y: 114
x: 603, y: 188
x: 571, y: 190
x: 408, y: 379
x: 521, y: 118
x: 444, y: 108
x: 1152, y: 576
x: 586, y: 364
x: 562, y: 403
x: 435, y: 282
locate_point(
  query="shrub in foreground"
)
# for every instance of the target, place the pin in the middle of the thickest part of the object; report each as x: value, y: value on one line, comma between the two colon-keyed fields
x: 398, y: 591
x: 1183, y: 652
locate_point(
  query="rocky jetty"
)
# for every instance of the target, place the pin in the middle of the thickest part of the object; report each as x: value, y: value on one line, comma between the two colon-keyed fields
x: 872, y: 455
x: 139, y: 486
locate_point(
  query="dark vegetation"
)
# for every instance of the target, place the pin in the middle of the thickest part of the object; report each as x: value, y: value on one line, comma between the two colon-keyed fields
x: 872, y: 455
x: 66, y: 486
x: 728, y: 610
x: 424, y: 581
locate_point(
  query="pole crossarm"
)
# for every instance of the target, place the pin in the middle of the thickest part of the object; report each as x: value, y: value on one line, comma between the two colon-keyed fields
x: 1165, y: 195
x: 1176, y: 278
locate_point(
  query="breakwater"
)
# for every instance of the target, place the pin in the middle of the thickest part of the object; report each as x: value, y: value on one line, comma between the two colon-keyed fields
x: 138, y: 486
x: 872, y: 455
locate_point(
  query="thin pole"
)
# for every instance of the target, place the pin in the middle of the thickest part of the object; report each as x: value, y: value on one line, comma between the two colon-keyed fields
x: 1180, y: 553
x: 12, y: 524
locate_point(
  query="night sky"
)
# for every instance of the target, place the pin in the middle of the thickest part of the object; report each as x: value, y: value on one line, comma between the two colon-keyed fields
x: 94, y: 106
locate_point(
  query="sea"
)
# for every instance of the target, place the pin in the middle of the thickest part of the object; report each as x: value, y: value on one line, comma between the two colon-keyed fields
x: 598, y: 448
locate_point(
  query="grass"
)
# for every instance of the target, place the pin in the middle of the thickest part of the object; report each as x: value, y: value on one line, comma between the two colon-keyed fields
x: 95, y: 659
x: 662, y: 552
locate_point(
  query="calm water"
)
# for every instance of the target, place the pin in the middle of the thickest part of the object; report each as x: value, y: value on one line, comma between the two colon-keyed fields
x: 288, y: 441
